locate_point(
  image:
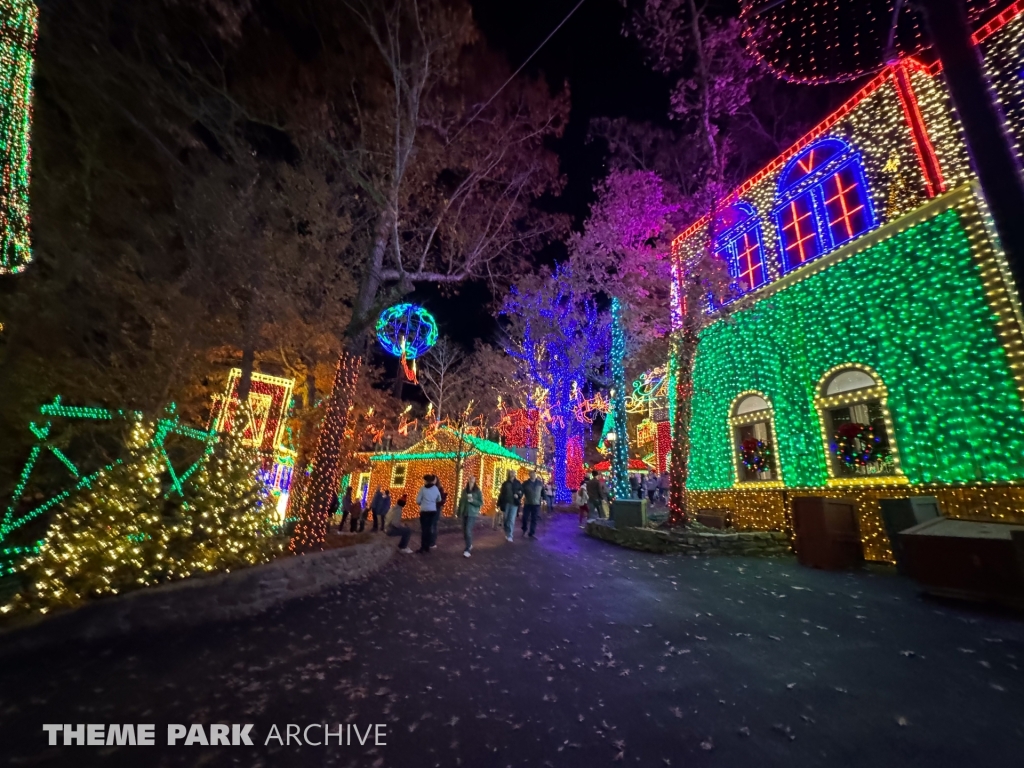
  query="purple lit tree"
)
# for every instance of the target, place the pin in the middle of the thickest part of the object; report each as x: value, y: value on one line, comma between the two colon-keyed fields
x: 715, y: 77
x: 559, y: 338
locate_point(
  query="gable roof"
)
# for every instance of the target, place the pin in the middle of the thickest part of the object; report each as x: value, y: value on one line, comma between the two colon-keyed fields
x: 443, y: 449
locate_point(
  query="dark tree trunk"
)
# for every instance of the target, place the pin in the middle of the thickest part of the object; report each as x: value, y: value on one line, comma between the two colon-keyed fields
x: 990, y: 148
x: 245, y: 380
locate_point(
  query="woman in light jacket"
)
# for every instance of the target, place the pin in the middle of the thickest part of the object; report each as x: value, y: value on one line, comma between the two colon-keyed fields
x: 469, y: 508
x: 429, y: 502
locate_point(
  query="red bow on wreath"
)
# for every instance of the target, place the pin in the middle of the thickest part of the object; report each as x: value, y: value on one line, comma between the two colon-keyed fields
x: 851, y: 430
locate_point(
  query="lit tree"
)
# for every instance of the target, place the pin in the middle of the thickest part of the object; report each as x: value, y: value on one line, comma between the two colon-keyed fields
x: 623, y: 252
x: 560, y: 339
x: 449, y: 168
x: 715, y: 77
x: 126, y: 531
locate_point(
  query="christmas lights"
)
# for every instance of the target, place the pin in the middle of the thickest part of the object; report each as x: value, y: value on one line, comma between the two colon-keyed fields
x: 520, y: 427
x: 955, y: 411
x: 738, y: 243
x: 822, y: 203
x: 562, y: 337
x: 406, y: 330
x: 15, y: 516
x: 117, y: 536
x: 451, y: 455
x: 269, y: 399
x: 617, y: 363
x: 18, y: 21
x: 323, y: 478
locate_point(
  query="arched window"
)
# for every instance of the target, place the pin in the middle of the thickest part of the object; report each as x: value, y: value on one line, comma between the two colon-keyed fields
x: 752, y: 424
x: 739, y: 243
x: 823, y: 202
x: 856, y: 426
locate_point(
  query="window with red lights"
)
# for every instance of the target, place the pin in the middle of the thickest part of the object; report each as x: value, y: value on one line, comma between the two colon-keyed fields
x: 823, y: 202
x: 738, y: 242
x: 798, y: 232
x: 845, y: 205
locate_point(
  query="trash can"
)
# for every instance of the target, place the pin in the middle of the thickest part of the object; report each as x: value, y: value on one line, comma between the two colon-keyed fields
x: 900, y: 514
x: 826, y: 533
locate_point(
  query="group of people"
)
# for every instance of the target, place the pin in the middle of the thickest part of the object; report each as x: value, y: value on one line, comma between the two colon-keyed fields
x: 514, y: 496
x: 593, y: 494
x: 654, y: 488
x: 354, y: 516
x: 528, y: 496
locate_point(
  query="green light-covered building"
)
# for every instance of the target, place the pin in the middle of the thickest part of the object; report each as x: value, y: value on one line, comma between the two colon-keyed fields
x: 873, y: 348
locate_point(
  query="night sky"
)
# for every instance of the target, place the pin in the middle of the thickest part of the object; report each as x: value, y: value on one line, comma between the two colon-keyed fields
x: 606, y: 76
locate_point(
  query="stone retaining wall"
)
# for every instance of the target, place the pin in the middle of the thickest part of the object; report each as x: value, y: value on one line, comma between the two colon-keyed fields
x: 194, y: 601
x: 690, y: 542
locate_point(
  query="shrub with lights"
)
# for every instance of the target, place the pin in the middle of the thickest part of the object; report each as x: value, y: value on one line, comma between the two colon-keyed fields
x: 130, y: 528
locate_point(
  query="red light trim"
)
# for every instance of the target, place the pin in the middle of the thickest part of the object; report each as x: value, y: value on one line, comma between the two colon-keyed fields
x: 816, y: 132
x: 999, y: 22
x: 794, y: 223
x: 845, y: 212
x: 923, y: 148
x: 747, y: 264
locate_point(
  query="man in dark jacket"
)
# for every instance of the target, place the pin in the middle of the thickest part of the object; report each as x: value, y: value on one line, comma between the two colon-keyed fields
x: 380, y: 506
x: 596, y: 496
x: 508, y: 501
x: 533, y: 489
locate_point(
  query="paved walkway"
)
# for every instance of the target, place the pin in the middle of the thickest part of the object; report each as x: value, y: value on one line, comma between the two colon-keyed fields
x: 562, y: 651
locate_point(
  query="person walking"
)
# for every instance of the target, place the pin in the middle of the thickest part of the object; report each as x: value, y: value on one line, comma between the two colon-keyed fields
x: 428, y: 500
x: 380, y: 506
x: 361, y: 518
x: 548, y: 498
x: 580, y: 501
x: 596, y: 495
x: 393, y: 525
x: 533, y: 492
x: 346, y: 508
x: 634, y: 487
x: 468, y: 510
x: 508, y: 501
x: 663, y: 485
x: 651, y: 487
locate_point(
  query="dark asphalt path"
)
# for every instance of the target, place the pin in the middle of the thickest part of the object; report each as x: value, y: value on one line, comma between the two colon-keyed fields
x: 562, y: 651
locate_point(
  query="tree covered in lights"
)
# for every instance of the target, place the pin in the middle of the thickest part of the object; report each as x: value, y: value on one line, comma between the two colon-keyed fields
x: 560, y: 340
x: 129, y: 529
x: 623, y: 252
x: 714, y: 99
x: 17, y: 42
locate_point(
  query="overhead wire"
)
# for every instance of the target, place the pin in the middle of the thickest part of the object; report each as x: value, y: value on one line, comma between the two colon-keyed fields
x: 516, y: 73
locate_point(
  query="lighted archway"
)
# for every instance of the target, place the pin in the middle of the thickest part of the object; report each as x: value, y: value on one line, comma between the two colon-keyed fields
x: 755, y: 453
x: 856, y: 427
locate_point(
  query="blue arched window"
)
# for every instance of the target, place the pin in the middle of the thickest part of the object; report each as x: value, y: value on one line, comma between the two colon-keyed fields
x: 823, y: 202
x: 738, y: 242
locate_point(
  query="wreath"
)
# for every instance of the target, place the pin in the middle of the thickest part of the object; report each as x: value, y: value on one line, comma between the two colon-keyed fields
x: 755, y: 455
x: 857, y: 445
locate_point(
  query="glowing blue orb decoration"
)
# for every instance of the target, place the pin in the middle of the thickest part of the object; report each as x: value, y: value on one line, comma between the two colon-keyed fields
x: 406, y: 330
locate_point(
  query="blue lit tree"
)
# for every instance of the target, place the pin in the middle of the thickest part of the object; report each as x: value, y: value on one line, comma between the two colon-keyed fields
x: 559, y: 338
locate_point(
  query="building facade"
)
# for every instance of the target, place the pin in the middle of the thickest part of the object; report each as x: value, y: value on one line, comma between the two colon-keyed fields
x: 452, y: 457
x: 872, y: 346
